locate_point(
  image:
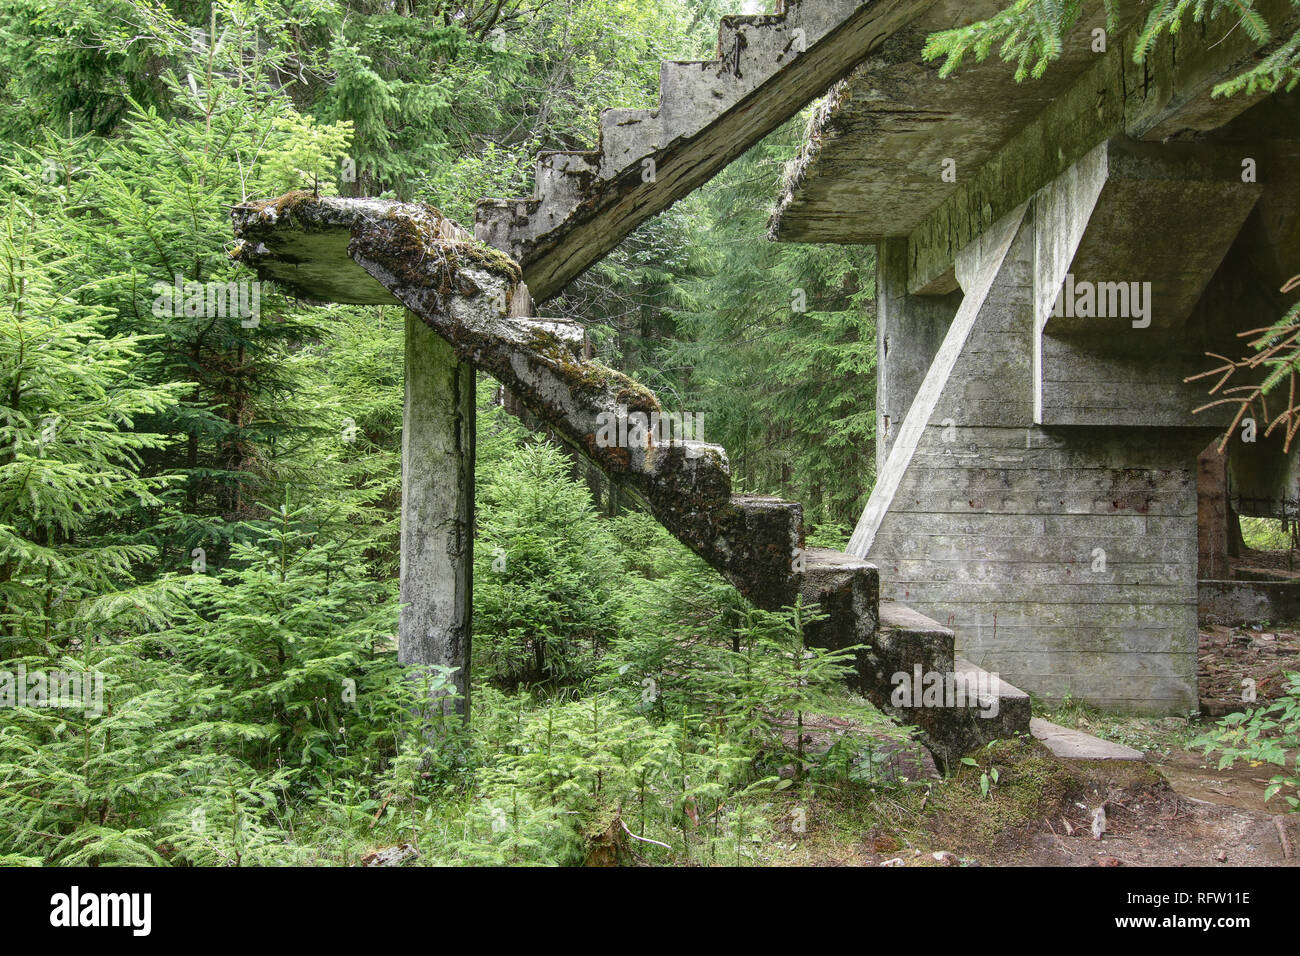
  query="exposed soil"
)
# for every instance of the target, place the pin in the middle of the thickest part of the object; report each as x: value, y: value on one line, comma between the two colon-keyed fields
x: 1157, y: 826
x: 1174, y: 810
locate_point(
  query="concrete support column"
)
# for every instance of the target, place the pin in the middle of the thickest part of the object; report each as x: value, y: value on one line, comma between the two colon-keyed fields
x: 437, y: 507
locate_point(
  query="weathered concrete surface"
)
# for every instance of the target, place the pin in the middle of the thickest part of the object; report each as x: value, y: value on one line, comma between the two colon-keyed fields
x: 1076, y: 745
x: 1127, y: 363
x: 1009, y: 140
x: 437, y: 561
x: 1269, y: 134
x: 873, y: 165
x: 1213, y: 541
x: 909, y: 643
x: 1238, y: 603
x: 979, y: 264
x: 309, y: 254
x: 909, y: 332
x: 1190, y: 196
x: 709, y: 112
x: 1065, y: 559
x: 847, y: 590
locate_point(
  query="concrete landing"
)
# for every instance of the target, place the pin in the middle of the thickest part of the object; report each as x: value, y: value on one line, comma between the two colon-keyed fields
x: 1076, y: 745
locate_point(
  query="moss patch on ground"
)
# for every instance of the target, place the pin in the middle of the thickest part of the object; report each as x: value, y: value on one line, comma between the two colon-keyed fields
x: 1025, y: 784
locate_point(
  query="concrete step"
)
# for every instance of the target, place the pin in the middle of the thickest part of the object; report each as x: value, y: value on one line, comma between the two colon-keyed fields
x: 847, y: 589
x: 1000, y: 710
x: 753, y: 544
x: 627, y: 137
x: 1076, y: 745
x: 965, y: 707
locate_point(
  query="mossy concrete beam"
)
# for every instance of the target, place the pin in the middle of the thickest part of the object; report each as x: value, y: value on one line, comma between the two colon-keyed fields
x: 464, y: 291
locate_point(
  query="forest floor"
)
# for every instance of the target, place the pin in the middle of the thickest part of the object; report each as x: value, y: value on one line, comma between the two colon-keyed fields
x: 1176, y: 809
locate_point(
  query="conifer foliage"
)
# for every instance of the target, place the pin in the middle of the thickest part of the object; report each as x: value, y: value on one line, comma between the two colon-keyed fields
x: 200, y: 476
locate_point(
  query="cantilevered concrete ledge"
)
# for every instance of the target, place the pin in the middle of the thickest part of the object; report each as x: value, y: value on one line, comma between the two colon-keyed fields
x: 1116, y: 291
x: 301, y: 241
x: 873, y: 164
x: 1190, y: 195
x: 882, y: 139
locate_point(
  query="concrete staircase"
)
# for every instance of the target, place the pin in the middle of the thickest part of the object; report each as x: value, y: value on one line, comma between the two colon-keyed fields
x: 709, y: 112
x: 977, y: 706
x: 371, y: 252
x: 478, y: 296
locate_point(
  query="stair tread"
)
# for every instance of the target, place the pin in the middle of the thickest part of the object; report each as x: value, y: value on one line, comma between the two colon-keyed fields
x: 1069, y: 744
x: 829, y: 557
x: 962, y: 666
x: 761, y: 499
x: 901, y: 617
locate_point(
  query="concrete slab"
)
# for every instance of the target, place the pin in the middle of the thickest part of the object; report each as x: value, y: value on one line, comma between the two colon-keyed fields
x: 895, y: 151
x: 874, y: 162
x: 1076, y: 745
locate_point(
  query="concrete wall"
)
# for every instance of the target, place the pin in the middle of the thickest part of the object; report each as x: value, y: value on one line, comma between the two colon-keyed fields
x: 1235, y: 603
x: 909, y: 331
x: 997, y: 526
x: 1130, y: 377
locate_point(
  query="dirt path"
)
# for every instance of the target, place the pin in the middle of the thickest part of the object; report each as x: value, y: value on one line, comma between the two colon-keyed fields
x: 1177, y: 809
x: 1171, y: 811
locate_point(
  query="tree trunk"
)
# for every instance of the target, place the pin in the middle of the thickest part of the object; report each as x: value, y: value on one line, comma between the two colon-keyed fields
x: 1213, y: 514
